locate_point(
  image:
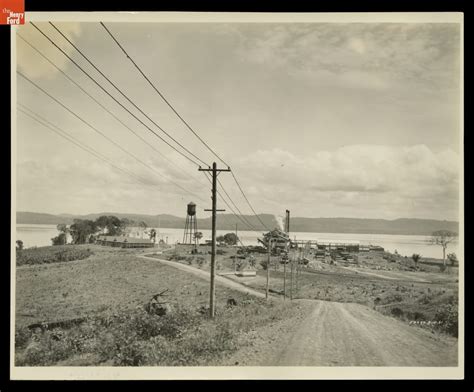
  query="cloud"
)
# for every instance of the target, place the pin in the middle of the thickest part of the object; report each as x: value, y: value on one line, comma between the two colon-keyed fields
x: 31, y: 63
x: 357, y: 45
x: 425, y: 54
x: 360, y: 179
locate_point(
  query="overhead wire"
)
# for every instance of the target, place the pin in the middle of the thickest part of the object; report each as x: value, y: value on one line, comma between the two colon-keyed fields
x: 105, y: 108
x: 116, y: 100
x: 183, y: 120
x: 162, y: 96
x: 98, y: 131
x: 122, y: 93
x: 45, y: 123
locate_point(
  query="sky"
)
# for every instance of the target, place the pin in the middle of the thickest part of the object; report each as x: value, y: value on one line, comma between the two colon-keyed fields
x: 327, y: 120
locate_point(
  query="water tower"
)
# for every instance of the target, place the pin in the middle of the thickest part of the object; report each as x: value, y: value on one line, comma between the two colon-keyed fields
x: 191, y: 225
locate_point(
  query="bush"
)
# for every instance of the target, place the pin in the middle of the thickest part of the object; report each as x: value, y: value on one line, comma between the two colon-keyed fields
x: 22, y: 336
x: 447, y: 316
x: 397, y: 312
x: 52, y: 254
x: 201, y: 261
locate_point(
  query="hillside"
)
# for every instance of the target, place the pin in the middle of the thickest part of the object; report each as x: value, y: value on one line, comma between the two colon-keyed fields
x: 228, y: 221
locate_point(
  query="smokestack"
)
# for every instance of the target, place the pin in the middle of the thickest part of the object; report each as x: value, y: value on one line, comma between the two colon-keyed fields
x: 287, y: 222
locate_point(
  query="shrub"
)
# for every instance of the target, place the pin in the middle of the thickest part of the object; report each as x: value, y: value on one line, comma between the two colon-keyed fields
x: 417, y: 316
x: 397, y: 312
x: 425, y: 299
x: 52, y: 254
x: 447, y: 316
x: 22, y: 336
x: 201, y: 261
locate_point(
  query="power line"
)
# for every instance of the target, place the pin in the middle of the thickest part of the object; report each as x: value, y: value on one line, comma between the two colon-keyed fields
x: 237, y: 208
x: 162, y: 96
x: 122, y: 93
x: 239, y: 217
x: 248, y: 202
x: 103, y: 107
x: 111, y: 96
x: 79, y: 144
x: 181, y: 118
x: 98, y: 131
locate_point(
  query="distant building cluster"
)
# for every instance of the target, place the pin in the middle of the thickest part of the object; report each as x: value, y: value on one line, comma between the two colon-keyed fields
x: 124, y: 242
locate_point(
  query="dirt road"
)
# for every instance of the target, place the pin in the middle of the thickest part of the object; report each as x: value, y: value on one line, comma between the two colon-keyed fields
x: 205, y: 275
x: 337, y: 334
x: 344, y: 334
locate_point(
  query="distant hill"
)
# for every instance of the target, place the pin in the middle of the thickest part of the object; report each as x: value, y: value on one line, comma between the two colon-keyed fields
x: 228, y: 221
x: 371, y: 226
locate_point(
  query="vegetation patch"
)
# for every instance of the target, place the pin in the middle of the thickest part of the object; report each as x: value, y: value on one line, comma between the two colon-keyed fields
x: 52, y: 254
x: 183, y: 337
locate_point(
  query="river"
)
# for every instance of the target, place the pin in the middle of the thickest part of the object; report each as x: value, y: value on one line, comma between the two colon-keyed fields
x: 40, y: 235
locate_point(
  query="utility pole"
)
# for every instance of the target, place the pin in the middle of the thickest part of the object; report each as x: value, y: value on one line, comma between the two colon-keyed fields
x: 291, y: 277
x: 215, y: 172
x: 268, y: 267
x: 301, y: 255
x: 287, y: 230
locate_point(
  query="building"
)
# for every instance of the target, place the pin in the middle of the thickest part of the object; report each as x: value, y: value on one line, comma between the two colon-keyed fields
x: 124, y: 242
x: 342, y: 245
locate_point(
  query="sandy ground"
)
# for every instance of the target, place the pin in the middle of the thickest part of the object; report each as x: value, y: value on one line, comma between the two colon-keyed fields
x: 343, y: 334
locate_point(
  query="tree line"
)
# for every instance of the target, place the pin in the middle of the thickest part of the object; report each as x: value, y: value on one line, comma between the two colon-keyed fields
x: 84, y: 231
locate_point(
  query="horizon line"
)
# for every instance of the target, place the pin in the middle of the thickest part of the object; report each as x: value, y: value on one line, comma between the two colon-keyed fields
x: 250, y: 215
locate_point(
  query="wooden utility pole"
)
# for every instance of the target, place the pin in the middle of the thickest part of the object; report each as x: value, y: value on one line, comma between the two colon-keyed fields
x: 291, y: 277
x: 287, y: 230
x: 298, y: 270
x: 268, y: 267
x: 215, y: 171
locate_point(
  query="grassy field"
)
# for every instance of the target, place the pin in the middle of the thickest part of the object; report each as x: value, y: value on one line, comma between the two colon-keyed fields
x: 110, y: 288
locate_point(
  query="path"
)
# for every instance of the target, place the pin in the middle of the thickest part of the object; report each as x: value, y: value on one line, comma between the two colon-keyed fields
x: 206, y: 275
x: 345, y: 334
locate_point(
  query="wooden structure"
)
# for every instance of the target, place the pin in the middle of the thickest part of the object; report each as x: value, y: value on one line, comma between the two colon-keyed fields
x: 124, y: 242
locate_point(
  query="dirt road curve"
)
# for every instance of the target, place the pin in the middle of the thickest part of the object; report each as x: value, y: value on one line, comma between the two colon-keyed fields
x: 343, y: 334
x: 205, y: 275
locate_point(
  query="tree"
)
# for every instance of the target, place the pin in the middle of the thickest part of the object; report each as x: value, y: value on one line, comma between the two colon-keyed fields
x: 81, y: 230
x: 143, y: 226
x: 19, y: 244
x: 110, y: 225
x: 153, y: 235
x: 416, y: 258
x: 231, y: 238
x: 126, y: 225
x: 443, y: 238
x: 198, y: 236
x: 452, y: 259
x: 61, y: 238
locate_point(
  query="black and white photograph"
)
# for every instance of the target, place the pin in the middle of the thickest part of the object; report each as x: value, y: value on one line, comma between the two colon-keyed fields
x: 261, y: 195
